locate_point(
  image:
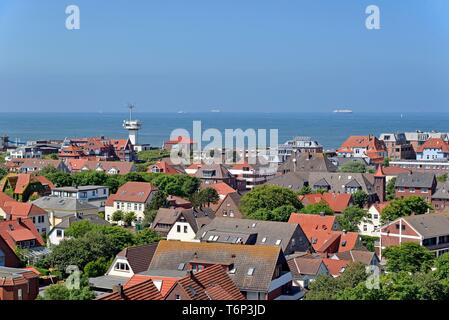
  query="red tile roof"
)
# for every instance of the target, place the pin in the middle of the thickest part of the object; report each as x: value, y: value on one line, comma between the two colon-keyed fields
x: 211, y: 283
x: 167, y: 282
x: 22, y: 209
x: 163, y: 167
x: 373, y: 145
x: 381, y: 206
x: 312, y: 222
x: 20, y: 278
x: 23, y: 180
x: 222, y: 188
x: 4, y: 198
x: 45, y: 182
x: 338, y: 202
x: 12, y: 231
x: 335, y: 267
x: 434, y: 143
x: 393, y: 171
x: 132, y: 192
x: 141, y: 291
x: 379, y: 172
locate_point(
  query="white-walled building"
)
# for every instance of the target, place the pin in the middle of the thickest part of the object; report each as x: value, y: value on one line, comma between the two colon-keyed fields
x: 371, y: 225
x: 95, y: 195
x: 131, y: 197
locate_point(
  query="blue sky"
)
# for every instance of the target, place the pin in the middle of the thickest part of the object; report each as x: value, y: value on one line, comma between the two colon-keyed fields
x: 235, y: 55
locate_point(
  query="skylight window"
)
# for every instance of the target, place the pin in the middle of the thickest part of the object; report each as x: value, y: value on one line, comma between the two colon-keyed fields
x: 211, y: 238
x: 264, y: 240
x: 250, y: 271
x: 181, y: 266
x: 215, y: 238
x: 232, y: 271
x: 278, y: 242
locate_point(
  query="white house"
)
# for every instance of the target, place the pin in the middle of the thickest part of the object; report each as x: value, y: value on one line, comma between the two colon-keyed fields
x: 254, y: 174
x: 371, y: 225
x: 433, y: 149
x: 95, y: 195
x: 131, y: 197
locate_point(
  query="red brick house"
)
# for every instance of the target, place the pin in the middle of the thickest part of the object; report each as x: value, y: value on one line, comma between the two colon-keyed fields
x: 429, y: 230
x: 18, y: 284
x: 415, y: 184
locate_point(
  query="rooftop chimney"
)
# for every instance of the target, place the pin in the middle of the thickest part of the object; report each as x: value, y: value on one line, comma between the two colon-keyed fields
x: 119, y: 289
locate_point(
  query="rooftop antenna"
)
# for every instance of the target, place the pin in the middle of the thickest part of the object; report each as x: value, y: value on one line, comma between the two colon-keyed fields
x: 130, y: 107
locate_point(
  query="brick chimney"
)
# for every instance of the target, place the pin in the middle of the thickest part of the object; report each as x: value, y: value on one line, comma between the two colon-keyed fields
x: 119, y: 289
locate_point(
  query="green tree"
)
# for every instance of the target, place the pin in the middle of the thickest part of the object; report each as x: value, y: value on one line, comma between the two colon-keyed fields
x: 3, y: 173
x: 118, y: 215
x: 129, y: 218
x: 404, y: 207
x: 410, y: 257
x: 305, y: 190
x: 351, y: 218
x: 386, y: 162
x: 322, y: 288
x: 360, y: 198
x: 442, y: 266
x: 208, y: 196
x: 390, y: 190
x: 268, y: 197
x: 353, y: 167
x: 97, y: 268
x: 158, y: 201
x: 442, y: 178
x: 146, y: 236
x: 149, y: 215
x: 318, y: 208
x: 369, y: 242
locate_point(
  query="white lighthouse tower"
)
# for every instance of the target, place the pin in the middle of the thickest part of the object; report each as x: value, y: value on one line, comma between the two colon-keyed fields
x: 133, y: 127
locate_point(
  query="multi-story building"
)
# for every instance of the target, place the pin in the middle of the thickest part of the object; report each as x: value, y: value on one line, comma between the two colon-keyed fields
x: 298, y: 144
x: 429, y: 230
x: 397, y: 146
x: 415, y: 184
x: 254, y: 174
x: 95, y: 195
x: 433, y: 149
x: 131, y: 197
x: 368, y: 147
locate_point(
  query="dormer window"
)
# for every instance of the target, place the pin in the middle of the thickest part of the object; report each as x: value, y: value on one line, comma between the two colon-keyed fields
x: 120, y: 266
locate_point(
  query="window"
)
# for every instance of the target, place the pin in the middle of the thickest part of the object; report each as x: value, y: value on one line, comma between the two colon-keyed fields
x: 34, y: 220
x: 278, y: 242
x: 250, y: 271
x: 375, y: 216
x: 264, y: 240
x: 178, y: 228
x: 2, y: 259
x: 41, y: 219
x: 59, y: 233
x: 232, y: 271
x: 181, y: 266
x: 177, y: 297
x: 19, y: 294
x: 185, y: 229
x: 365, y: 227
x: 120, y: 266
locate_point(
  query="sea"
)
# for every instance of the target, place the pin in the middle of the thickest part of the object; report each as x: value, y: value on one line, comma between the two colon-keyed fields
x: 330, y: 129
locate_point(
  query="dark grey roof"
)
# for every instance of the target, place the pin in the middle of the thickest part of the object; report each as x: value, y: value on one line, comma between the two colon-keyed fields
x: 138, y: 257
x: 195, y: 217
x: 307, y: 162
x: 291, y: 180
x: 362, y: 256
x: 107, y: 282
x: 415, y: 180
x: 430, y: 225
x: 11, y: 273
x: 92, y: 218
x: 220, y: 172
x: 63, y: 204
x: 338, y: 181
x: 267, y: 232
x: 322, y: 183
x: 442, y: 191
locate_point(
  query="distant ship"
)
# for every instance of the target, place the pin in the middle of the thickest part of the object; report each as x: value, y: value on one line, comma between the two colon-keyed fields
x: 181, y: 111
x: 342, y: 111
x: 215, y: 110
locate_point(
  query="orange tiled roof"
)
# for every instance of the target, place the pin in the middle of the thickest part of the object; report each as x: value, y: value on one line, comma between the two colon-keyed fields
x: 311, y: 222
x: 391, y: 171
x: 181, y: 139
x: 335, y: 267
x: 167, y: 282
x: 22, y: 209
x: 132, y: 192
x: 434, y: 143
x: 142, y: 291
x: 12, y: 231
x: 373, y: 145
x: 211, y: 283
x: 222, y: 188
x: 164, y: 167
x: 338, y: 202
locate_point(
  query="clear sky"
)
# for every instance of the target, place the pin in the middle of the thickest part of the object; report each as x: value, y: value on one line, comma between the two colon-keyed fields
x: 235, y: 55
